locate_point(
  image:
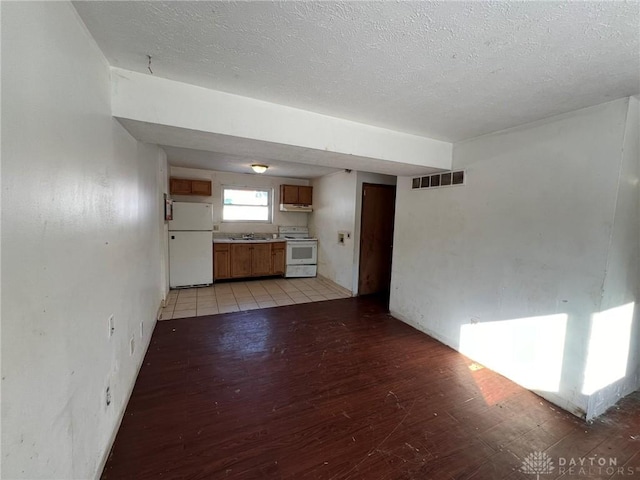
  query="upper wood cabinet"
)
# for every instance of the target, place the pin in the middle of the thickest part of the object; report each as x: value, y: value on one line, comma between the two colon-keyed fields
x: 296, y: 194
x: 180, y: 186
x: 305, y: 195
x: 184, y: 186
x: 201, y: 187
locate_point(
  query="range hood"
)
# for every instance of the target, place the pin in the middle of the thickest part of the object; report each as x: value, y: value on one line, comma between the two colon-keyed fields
x: 295, y: 207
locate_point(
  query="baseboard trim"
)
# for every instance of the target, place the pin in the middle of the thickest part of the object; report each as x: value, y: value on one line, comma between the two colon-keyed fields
x: 114, y: 433
x: 556, y: 400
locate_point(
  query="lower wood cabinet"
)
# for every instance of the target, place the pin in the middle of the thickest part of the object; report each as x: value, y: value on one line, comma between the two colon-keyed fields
x: 221, y: 261
x: 261, y: 259
x: 278, y: 257
x: 242, y: 260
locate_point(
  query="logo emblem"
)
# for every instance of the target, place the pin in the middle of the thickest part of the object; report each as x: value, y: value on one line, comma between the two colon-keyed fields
x: 537, y: 463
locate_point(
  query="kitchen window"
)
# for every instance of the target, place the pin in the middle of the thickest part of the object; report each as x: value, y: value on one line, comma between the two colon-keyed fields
x: 241, y: 204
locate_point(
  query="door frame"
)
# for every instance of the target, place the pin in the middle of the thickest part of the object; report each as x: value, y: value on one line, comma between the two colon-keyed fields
x: 360, y: 239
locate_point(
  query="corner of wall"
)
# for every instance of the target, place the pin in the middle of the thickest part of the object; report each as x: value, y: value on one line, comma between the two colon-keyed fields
x: 334, y: 198
x: 163, y: 190
x: 621, y: 278
x: 515, y: 246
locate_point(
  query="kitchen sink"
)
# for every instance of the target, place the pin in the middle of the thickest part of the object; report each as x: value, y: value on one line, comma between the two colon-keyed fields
x: 248, y: 238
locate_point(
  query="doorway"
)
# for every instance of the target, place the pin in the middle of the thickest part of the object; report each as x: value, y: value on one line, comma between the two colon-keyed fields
x: 376, y: 239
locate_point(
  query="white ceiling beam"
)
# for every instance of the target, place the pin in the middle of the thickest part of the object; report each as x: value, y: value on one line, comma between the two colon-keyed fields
x: 155, y: 100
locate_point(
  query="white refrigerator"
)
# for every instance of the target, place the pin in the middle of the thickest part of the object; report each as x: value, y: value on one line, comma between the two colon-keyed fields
x: 190, y: 245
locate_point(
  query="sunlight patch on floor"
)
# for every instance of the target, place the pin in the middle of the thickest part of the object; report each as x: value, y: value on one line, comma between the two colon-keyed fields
x: 526, y: 350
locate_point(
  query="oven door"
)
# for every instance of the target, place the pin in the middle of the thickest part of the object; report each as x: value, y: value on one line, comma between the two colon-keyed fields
x: 302, y: 253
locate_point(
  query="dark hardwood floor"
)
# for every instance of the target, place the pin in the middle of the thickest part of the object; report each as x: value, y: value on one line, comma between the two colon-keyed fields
x: 341, y: 390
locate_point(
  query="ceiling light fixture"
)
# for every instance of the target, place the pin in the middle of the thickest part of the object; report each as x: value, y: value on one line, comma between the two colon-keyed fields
x: 259, y: 168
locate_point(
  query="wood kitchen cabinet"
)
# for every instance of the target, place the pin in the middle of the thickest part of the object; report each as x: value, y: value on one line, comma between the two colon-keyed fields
x: 242, y: 260
x: 296, y: 194
x: 183, y: 186
x: 261, y: 259
x: 201, y: 187
x: 278, y: 258
x: 179, y: 186
x: 305, y: 195
x: 221, y: 261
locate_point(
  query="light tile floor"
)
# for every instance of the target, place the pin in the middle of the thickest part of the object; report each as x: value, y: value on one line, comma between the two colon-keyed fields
x: 250, y: 295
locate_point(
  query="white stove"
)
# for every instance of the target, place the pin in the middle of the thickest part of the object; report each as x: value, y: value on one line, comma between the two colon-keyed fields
x: 298, y: 239
x: 302, y: 252
x: 295, y: 233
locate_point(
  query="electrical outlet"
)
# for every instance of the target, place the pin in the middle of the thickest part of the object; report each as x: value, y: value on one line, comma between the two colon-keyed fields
x: 112, y: 327
x: 107, y: 396
x: 132, y: 346
x: 343, y: 236
x: 216, y: 228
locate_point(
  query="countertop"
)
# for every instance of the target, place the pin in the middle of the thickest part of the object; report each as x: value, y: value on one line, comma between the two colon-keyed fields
x: 230, y: 240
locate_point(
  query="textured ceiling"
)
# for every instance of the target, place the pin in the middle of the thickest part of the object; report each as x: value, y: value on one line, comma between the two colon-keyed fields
x: 448, y: 70
x: 223, y: 162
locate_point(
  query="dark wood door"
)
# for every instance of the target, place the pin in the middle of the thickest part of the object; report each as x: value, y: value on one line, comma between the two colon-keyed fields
x: 376, y: 238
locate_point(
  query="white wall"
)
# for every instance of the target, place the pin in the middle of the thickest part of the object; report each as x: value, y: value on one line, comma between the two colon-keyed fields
x: 334, y: 210
x: 510, y: 268
x: 338, y: 208
x: 364, y: 177
x: 614, y: 347
x: 220, y: 179
x: 80, y: 241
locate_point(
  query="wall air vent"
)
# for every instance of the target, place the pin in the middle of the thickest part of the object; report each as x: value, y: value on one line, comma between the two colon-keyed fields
x: 438, y: 180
